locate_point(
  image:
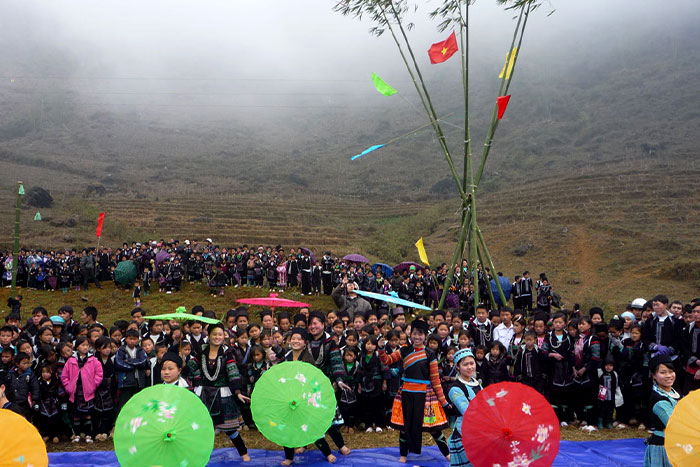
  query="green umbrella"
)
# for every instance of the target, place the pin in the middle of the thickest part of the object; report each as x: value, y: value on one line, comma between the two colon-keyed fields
x: 182, y: 315
x: 164, y: 425
x: 125, y: 272
x: 293, y: 404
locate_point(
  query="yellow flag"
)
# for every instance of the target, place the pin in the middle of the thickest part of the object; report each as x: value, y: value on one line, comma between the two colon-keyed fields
x: 421, y: 252
x: 510, y: 61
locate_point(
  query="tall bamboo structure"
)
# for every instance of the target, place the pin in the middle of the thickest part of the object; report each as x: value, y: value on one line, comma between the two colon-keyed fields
x: 389, y: 15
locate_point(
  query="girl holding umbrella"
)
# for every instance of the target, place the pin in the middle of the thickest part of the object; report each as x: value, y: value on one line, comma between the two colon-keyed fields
x: 662, y: 402
x: 216, y: 380
x: 419, y: 403
x: 297, y: 341
x: 463, y: 390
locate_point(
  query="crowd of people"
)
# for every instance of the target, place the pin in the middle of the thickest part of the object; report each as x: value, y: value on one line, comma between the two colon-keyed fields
x: 71, y: 377
x: 167, y: 265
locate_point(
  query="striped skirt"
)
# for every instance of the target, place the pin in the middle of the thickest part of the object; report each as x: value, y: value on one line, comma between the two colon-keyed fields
x: 655, y: 456
x: 458, y: 458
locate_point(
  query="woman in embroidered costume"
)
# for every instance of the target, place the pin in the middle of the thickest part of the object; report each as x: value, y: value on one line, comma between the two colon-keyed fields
x: 462, y: 391
x: 419, y: 403
x: 216, y: 379
x: 662, y: 402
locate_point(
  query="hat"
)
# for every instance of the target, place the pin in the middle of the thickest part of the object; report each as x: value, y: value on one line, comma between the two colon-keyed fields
x: 398, y: 311
x: 301, y: 331
x: 420, y: 325
x: 460, y: 354
x: 172, y: 357
x: 187, y: 242
x: 628, y: 314
x: 57, y: 321
x: 318, y: 315
x: 412, y: 268
x: 241, y: 312
x: 638, y: 303
x: 210, y: 240
x: 658, y: 360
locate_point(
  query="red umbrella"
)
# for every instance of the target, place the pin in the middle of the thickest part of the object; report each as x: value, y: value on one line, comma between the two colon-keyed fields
x: 510, y: 424
x: 273, y: 302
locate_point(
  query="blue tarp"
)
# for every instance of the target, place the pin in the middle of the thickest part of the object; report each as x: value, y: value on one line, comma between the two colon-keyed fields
x: 623, y: 452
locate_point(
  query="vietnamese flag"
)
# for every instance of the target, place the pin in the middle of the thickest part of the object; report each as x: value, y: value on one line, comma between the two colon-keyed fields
x: 100, y: 218
x: 441, y: 51
x: 502, y: 105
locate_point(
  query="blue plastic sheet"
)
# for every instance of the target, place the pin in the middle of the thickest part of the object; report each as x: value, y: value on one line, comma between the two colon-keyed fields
x: 624, y: 452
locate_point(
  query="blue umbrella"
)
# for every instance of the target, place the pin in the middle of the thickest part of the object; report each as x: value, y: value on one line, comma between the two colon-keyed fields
x: 505, y: 286
x: 386, y: 269
x: 392, y: 299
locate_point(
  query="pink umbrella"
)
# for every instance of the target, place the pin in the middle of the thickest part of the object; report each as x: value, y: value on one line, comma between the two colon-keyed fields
x: 273, y: 302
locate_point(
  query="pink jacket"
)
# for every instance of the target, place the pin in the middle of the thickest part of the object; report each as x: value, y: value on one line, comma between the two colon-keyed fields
x: 90, y: 375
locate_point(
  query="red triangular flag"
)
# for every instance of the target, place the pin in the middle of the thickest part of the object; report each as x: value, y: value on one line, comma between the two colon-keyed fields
x: 441, y: 51
x: 502, y: 104
x: 100, y: 218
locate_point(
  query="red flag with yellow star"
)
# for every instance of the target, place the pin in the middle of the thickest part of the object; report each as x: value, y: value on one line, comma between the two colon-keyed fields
x: 441, y: 51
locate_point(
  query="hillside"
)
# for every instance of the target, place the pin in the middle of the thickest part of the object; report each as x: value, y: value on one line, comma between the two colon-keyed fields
x: 591, y: 174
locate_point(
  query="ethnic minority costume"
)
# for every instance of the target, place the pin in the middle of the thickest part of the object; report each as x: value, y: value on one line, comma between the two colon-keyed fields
x: 562, y: 379
x: 460, y: 394
x: 418, y: 405
x: 215, y: 382
x: 662, y: 404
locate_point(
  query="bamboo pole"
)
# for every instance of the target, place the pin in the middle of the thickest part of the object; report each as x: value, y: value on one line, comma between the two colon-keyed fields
x: 464, y: 39
x: 493, y: 269
x: 425, y: 99
x: 451, y: 272
x: 505, y: 84
x: 15, y: 248
x: 486, y: 278
x: 494, y: 117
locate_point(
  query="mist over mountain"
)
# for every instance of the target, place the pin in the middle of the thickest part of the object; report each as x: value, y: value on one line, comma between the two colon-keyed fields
x: 240, y: 96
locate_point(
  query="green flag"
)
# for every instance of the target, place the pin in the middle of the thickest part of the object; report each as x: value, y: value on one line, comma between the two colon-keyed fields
x: 21, y: 189
x: 37, y: 216
x: 381, y: 86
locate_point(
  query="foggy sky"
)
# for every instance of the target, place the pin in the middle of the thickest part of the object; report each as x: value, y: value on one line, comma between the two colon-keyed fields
x: 294, y: 39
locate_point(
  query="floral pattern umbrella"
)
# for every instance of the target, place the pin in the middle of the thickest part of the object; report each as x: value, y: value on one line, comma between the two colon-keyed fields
x: 293, y: 404
x: 21, y: 444
x: 510, y: 424
x: 165, y: 426
x: 683, y: 432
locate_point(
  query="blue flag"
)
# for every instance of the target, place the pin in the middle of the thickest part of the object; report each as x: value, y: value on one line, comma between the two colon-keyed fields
x: 367, y: 151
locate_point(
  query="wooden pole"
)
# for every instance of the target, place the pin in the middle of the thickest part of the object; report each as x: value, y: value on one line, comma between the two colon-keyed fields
x: 15, y: 249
